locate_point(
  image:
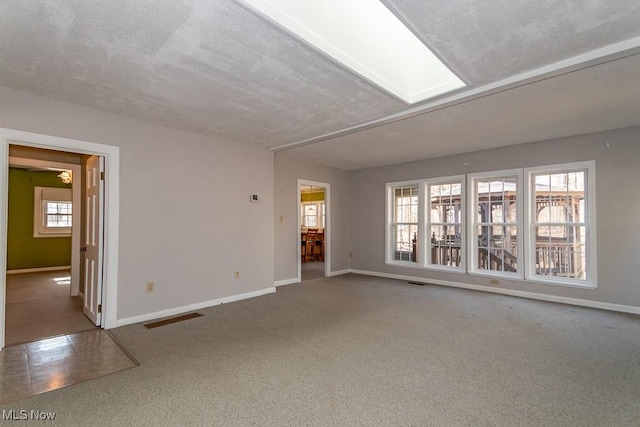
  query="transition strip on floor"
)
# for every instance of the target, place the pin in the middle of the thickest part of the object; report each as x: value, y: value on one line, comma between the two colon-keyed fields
x: 172, y: 320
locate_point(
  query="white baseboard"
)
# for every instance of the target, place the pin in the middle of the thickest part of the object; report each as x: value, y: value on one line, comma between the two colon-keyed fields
x: 287, y: 282
x: 39, y: 269
x: 338, y: 273
x: 523, y: 294
x: 192, y: 307
x: 298, y: 280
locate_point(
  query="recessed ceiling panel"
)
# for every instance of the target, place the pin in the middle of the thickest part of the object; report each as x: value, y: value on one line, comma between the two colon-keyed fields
x: 367, y: 38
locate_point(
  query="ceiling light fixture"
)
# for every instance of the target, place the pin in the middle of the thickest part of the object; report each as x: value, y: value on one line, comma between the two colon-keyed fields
x: 369, y: 39
x: 66, y: 177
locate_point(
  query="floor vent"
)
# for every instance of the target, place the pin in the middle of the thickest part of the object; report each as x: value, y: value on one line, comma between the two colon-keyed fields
x: 172, y: 320
x: 417, y: 283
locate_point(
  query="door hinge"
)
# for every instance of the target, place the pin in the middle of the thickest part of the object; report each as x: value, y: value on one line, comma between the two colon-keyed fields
x: 102, y: 176
x: 99, y: 308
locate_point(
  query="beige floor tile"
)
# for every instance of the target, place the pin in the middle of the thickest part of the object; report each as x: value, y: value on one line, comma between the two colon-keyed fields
x: 50, y: 364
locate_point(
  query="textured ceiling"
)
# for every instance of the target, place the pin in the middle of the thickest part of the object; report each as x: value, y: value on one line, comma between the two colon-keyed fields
x: 215, y: 68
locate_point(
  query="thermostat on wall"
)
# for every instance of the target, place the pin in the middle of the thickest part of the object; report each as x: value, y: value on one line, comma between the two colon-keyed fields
x: 253, y: 198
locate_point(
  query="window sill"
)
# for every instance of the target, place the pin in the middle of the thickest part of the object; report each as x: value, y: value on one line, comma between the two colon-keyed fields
x: 513, y: 278
x: 497, y: 275
x: 444, y: 269
x: 562, y: 283
x: 536, y: 281
x: 407, y: 264
x: 40, y: 236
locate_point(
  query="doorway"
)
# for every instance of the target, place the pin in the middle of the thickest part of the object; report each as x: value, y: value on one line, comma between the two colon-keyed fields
x: 43, y: 245
x: 105, y: 301
x: 314, y: 246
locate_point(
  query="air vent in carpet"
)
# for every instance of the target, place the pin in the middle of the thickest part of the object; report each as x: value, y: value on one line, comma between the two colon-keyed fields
x: 172, y: 320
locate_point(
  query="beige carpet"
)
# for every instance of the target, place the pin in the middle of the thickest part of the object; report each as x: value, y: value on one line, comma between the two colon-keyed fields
x: 39, y: 306
x: 354, y: 350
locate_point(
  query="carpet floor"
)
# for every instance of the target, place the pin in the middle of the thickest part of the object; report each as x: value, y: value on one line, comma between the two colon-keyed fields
x: 356, y: 350
x: 312, y: 270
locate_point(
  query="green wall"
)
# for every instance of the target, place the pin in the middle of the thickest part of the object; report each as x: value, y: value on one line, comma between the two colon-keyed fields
x: 23, y: 250
x: 311, y: 197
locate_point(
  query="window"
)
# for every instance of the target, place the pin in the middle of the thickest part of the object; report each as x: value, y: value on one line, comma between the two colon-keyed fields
x: 58, y: 214
x: 403, y: 230
x: 445, y: 223
x: 561, y: 219
x: 52, y: 212
x: 543, y: 232
x: 313, y: 214
x: 495, y: 223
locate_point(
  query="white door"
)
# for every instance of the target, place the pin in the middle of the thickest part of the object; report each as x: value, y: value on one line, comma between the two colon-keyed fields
x: 93, y: 240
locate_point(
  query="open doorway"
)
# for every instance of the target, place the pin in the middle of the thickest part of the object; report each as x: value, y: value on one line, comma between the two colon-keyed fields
x: 100, y: 297
x: 43, y: 289
x: 313, y: 229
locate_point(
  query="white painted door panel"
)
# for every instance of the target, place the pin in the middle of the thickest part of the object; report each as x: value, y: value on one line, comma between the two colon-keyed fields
x: 93, y: 240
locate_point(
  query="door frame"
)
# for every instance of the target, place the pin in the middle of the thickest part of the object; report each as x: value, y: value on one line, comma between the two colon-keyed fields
x: 111, y: 155
x: 327, y: 225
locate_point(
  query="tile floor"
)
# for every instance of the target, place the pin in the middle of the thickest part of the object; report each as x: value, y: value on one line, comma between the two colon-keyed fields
x: 52, y: 363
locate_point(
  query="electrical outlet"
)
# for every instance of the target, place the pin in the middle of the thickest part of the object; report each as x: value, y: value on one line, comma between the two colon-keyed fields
x: 151, y: 286
x: 236, y: 274
x: 495, y: 282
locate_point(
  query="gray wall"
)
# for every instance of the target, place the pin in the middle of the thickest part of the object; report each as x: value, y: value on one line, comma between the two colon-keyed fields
x: 618, y: 208
x: 185, y: 217
x: 187, y: 224
x: 287, y: 235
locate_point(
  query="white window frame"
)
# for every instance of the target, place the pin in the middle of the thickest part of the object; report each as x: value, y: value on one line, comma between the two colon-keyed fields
x: 472, y: 222
x: 320, y: 215
x: 426, y: 239
x: 589, y: 167
x: 390, y: 236
x: 525, y: 211
x: 41, y: 195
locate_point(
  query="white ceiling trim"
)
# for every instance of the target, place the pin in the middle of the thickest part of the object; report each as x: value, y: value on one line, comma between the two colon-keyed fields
x: 592, y: 58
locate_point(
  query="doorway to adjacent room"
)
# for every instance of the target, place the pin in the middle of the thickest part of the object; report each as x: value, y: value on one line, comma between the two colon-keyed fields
x: 313, y: 228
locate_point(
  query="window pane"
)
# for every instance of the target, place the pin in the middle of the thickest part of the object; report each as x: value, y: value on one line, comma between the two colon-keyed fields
x: 445, y: 224
x: 58, y: 214
x: 405, y: 242
x: 560, y: 225
x: 497, y: 244
x: 58, y: 221
x: 405, y: 223
x: 445, y: 245
x: 58, y: 207
x: 561, y: 257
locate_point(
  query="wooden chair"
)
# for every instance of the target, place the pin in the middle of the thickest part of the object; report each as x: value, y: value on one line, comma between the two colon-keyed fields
x: 310, y: 244
x: 319, y: 248
x: 303, y: 249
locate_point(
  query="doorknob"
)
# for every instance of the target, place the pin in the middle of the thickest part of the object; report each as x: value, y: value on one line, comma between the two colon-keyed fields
x: 83, y: 249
